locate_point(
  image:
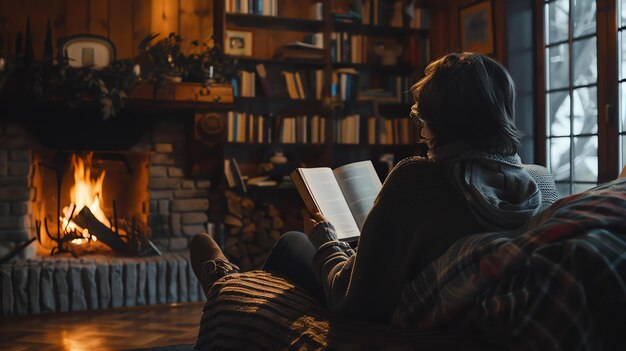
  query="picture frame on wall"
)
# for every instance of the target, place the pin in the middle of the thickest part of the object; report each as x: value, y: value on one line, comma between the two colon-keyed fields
x: 87, y: 50
x: 476, y: 26
x: 238, y: 43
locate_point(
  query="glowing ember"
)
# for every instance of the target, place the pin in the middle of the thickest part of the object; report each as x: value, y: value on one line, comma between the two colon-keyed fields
x: 86, y: 191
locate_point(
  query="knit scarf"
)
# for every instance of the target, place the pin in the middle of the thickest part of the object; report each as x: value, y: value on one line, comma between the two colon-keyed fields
x: 499, y: 192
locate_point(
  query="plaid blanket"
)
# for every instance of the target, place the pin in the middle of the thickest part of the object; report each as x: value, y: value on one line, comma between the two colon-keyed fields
x: 559, y: 284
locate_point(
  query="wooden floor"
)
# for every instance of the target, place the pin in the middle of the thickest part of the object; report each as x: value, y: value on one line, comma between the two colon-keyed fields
x: 114, y: 329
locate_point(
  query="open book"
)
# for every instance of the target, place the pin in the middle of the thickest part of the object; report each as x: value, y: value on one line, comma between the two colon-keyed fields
x: 344, y: 195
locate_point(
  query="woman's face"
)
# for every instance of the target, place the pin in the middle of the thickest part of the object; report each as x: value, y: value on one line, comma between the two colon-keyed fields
x: 428, y: 135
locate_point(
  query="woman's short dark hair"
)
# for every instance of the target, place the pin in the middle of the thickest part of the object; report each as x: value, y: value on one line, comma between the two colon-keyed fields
x: 468, y: 97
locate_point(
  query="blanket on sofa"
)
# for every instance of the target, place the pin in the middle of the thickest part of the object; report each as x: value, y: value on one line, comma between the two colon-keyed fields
x: 559, y: 284
x: 260, y: 311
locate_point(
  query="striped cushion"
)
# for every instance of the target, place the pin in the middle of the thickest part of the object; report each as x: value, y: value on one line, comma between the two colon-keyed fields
x: 261, y: 311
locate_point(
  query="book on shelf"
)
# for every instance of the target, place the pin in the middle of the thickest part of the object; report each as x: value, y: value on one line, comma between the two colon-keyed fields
x: 344, y: 84
x: 232, y: 173
x: 272, y: 80
x: 316, y: 11
x: 244, y: 84
x: 390, y: 131
x: 249, y: 128
x: 344, y: 195
x: 299, y: 51
x: 252, y: 7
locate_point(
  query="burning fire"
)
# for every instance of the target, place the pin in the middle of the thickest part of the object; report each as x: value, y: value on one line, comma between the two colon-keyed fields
x: 86, y: 191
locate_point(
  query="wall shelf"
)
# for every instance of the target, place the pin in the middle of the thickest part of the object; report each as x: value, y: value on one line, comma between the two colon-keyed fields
x: 273, y: 22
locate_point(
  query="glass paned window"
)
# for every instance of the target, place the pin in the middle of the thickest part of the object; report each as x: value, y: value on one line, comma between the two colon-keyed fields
x: 557, y: 21
x: 585, y: 61
x: 583, y: 17
x: 571, y: 92
x: 586, y: 159
x: 558, y: 113
x: 580, y: 187
x: 622, y: 107
x: 558, y: 67
x: 560, y: 158
x: 585, y: 111
x: 622, y: 55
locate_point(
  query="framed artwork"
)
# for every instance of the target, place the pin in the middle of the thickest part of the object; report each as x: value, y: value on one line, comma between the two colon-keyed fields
x: 87, y: 50
x: 476, y: 25
x: 238, y: 43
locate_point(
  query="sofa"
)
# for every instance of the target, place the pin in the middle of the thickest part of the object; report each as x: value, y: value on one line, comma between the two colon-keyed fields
x: 558, y: 283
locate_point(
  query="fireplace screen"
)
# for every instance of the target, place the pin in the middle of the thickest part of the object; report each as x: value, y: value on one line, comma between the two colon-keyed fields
x: 92, y: 202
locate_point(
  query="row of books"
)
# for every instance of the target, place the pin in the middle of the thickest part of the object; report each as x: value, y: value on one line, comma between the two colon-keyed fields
x: 344, y: 85
x: 248, y: 128
x: 296, y: 84
x: 347, y: 84
x: 348, y: 48
x: 352, y: 129
x: 245, y: 84
x: 375, y: 130
x: 252, y: 7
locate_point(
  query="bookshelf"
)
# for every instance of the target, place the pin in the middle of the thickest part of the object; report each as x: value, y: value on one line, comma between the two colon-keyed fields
x: 326, y: 114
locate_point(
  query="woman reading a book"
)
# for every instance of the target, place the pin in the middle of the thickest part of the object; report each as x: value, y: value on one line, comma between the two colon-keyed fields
x: 470, y: 182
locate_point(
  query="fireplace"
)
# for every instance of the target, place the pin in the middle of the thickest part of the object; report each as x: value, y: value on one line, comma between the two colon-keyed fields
x: 143, y: 192
x: 107, y: 191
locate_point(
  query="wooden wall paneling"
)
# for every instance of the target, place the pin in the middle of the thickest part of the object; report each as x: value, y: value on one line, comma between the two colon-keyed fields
x: 192, y: 17
x: 16, y: 13
x: 165, y: 17
x: 499, y: 30
x: 445, y: 32
x: 295, y: 9
x: 142, y: 22
x: 39, y: 12
x: 121, y: 27
x: 443, y: 27
x: 99, y: 17
x: 76, y: 17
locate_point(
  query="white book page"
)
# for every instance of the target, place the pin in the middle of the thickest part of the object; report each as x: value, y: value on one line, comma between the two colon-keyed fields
x: 360, y: 186
x: 330, y: 201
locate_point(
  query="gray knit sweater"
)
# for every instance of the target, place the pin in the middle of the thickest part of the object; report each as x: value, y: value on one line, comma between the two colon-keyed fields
x: 420, y: 211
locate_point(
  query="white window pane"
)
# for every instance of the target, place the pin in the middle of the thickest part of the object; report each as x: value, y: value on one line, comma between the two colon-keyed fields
x: 563, y: 189
x: 585, y: 61
x: 558, y: 67
x: 622, y: 54
x: 622, y: 139
x: 585, y: 111
x: 583, y: 17
x: 558, y: 113
x: 623, y: 12
x: 557, y: 21
x: 622, y: 107
x: 580, y: 187
x: 586, y: 159
x: 560, y: 158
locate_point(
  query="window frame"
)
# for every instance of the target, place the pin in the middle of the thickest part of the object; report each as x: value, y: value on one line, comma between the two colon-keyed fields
x: 607, y: 88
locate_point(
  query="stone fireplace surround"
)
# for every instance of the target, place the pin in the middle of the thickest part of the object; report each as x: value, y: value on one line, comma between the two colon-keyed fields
x: 178, y: 207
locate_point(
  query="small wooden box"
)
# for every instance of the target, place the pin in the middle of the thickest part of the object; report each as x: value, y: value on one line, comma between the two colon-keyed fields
x: 216, y: 93
x: 196, y: 92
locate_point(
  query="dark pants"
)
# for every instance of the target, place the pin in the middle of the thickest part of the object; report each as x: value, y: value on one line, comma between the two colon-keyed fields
x: 292, y: 257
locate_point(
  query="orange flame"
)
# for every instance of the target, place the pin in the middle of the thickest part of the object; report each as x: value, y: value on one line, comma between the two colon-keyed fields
x: 86, y: 191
